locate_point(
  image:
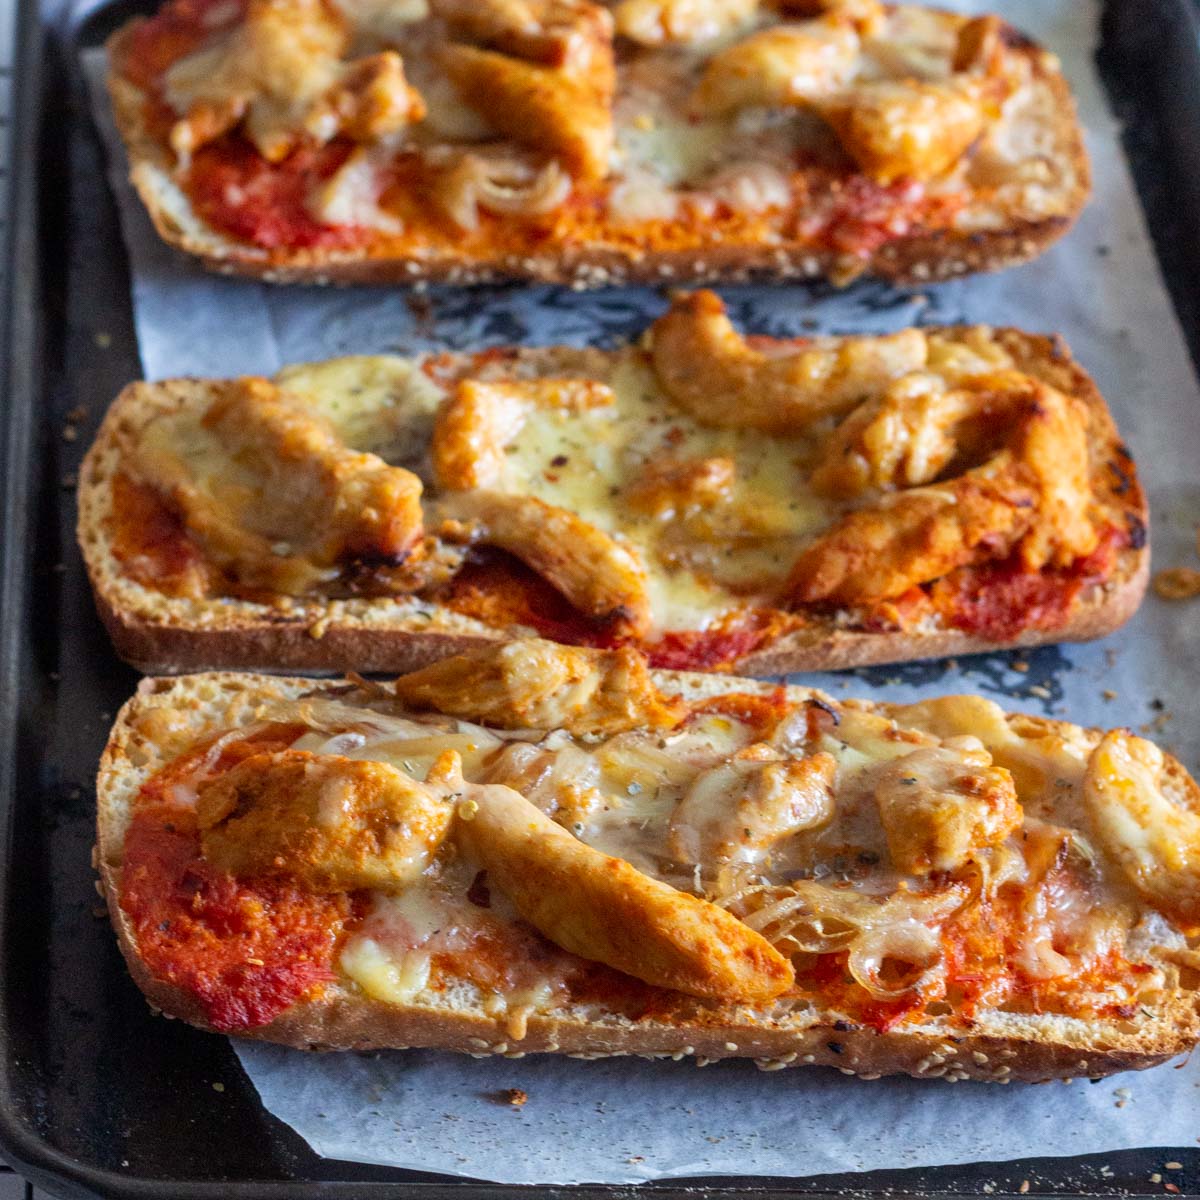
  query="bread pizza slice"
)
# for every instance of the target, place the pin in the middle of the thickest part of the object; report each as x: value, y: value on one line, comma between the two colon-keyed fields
x: 570, y: 141
x: 541, y: 848
x: 716, y: 501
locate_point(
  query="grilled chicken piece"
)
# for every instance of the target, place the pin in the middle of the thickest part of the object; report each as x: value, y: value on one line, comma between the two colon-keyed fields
x: 562, y: 112
x: 737, y: 812
x: 336, y: 824
x: 669, y: 488
x: 555, y: 33
x: 595, y: 572
x: 706, y: 367
x: 279, y: 73
x: 911, y: 128
x: 1032, y: 494
x: 543, y: 685
x: 291, y: 503
x: 680, y: 22
x: 941, y: 806
x: 778, y: 67
x: 482, y: 419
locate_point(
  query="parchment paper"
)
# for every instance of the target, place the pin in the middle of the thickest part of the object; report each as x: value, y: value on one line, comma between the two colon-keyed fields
x: 628, y: 1120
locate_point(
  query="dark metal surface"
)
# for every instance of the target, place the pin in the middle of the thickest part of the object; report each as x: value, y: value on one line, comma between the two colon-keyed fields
x: 97, y: 1096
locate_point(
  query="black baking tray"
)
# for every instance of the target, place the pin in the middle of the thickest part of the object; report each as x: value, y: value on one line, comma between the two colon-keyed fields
x: 97, y: 1096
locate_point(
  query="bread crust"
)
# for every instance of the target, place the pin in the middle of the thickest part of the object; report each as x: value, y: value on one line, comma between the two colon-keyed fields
x: 995, y: 1047
x: 920, y: 257
x: 167, y: 636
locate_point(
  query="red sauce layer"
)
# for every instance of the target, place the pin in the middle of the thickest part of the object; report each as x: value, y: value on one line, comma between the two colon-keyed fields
x: 149, y: 540
x: 242, y: 195
x: 982, y: 954
x: 244, y: 950
x: 237, y: 191
x: 719, y: 647
x: 999, y: 600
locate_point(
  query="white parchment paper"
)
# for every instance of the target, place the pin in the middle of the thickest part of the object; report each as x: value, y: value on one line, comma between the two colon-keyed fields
x: 626, y: 1120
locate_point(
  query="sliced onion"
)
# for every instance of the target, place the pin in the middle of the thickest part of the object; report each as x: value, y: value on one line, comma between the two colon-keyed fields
x: 507, y: 185
x: 807, y: 916
x: 335, y: 716
x: 810, y: 918
x: 541, y: 775
x: 341, y: 742
x: 634, y: 755
x: 913, y: 946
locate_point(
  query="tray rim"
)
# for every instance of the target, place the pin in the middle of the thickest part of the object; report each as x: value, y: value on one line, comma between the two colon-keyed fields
x: 46, y: 1166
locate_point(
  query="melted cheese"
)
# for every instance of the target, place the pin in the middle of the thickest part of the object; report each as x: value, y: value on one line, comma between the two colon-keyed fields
x: 395, y: 977
x: 624, y: 794
x: 716, y: 517
x: 378, y: 403
x: 741, y: 547
x: 668, y: 162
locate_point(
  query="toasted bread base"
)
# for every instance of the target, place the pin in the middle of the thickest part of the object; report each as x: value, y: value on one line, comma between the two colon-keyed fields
x: 301, y: 645
x: 919, y: 257
x: 163, y: 635
x: 995, y: 1046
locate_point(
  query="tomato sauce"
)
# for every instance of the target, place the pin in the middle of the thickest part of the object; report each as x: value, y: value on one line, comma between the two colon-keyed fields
x: 175, y: 31
x: 721, y: 646
x: 236, y: 190
x: 705, y: 649
x: 500, y: 590
x: 981, y: 953
x: 983, y: 945
x: 151, y: 543
x: 244, y: 950
x: 999, y: 600
x: 241, y: 194
x: 857, y: 216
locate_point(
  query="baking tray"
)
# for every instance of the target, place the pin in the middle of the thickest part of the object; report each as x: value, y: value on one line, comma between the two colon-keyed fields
x: 97, y: 1096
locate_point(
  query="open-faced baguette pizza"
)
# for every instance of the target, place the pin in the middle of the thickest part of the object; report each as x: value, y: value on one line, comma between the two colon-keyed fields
x: 720, y: 503
x: 549, y: 848
x: 403, y: 140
